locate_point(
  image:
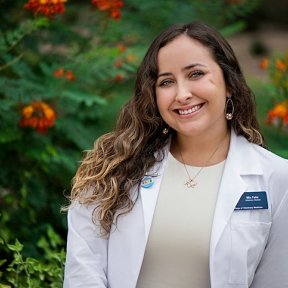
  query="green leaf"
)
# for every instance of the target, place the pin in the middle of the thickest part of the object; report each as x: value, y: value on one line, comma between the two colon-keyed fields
x: 76, y: 132
x: 2, y: 261
x: 9, y: 135
x: 12, y: 38
x: 233, y: 28
x: 17, y: 247
x: 5, y: 286
x: 87, y: 99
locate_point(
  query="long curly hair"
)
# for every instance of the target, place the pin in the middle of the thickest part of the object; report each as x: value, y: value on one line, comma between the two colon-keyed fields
x: 120, y: 159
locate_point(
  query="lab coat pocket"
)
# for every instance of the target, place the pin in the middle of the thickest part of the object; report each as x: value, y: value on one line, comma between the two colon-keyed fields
x: 248, y: 240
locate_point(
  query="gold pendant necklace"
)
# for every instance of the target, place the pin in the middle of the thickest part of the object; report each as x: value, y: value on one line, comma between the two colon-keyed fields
x: 191, y: 183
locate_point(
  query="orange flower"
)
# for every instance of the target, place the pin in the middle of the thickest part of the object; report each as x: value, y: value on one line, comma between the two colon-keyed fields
x: 102, y: 5
x: 121, y: 47
x: 264, y: 63
x: 115, y: 14
x: 278, y: 115
x: 285, y: 120
x: 119, y: 77
x: 280, y: 110
x: 111, y: 6
x: 280, y: 65
x: 38, y: 115
x: 46, y: 7
x: 69, y: 75
x: 59, y: 73
x: 131, y: 58
x: 27, y: 111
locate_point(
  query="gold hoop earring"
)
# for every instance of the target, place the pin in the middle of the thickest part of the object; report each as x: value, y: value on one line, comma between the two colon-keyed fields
x: 229, y: 109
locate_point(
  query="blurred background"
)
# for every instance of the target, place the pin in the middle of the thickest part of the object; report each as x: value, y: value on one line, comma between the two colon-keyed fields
x: 66, y: 68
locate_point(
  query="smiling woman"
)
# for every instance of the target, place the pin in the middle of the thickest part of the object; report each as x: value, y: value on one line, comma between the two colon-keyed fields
x: 181, y: 193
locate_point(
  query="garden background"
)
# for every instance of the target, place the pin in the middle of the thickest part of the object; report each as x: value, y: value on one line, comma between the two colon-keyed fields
x: 66, y: 67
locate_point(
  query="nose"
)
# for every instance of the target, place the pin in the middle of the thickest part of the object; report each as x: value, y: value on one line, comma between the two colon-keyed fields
x: 184, y: 93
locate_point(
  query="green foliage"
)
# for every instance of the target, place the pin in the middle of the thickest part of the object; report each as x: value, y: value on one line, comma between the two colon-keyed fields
x: 82, y: 65
x: 277, y: 111
x: 11, y: 38
x: 278, y: 72
x: 275, y: 137
x: 27, y: 272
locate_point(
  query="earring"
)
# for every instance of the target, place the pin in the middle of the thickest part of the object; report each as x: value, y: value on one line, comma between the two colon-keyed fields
x: 165, y: 131
x: 229, y: 108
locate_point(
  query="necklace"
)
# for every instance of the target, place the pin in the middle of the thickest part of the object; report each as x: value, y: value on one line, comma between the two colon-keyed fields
x: 191, y: 183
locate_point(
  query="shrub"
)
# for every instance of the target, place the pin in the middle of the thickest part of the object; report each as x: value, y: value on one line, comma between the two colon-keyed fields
x: 27, y: 272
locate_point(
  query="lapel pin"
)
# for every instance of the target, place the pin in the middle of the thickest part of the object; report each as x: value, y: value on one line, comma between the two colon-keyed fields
x: 147, y: 182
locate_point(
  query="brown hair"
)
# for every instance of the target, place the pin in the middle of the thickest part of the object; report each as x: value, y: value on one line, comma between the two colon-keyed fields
x: 120, y: 159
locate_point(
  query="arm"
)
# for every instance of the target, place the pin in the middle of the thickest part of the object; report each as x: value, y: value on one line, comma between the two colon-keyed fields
x: 273, y: 267
x: 86, y: 259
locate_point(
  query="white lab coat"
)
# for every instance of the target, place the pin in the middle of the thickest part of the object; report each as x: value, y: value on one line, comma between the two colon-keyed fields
x: 247, y: 248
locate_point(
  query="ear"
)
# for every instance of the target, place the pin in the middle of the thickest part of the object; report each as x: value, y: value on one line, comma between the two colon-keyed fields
x: 228, y: 92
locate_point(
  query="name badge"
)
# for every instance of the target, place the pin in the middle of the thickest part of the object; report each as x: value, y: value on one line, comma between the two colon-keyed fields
x: 252, y: 201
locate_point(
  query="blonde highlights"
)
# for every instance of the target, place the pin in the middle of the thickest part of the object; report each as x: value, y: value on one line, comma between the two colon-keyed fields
x: 117, y: 163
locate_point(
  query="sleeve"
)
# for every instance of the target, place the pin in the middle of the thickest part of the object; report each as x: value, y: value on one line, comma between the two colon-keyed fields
x: 86, y: 258
x: 273, y: 267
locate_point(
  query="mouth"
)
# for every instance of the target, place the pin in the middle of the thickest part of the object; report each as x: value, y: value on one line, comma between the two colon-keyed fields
x: 190, y: 110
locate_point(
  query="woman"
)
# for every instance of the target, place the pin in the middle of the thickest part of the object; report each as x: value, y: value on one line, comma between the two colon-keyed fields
x: 182, y: 193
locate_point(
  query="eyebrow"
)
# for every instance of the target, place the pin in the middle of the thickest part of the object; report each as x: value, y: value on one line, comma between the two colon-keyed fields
x: 188, y: 67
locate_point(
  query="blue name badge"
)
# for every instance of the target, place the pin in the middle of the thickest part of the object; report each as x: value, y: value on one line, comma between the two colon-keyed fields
x: 252, y: 201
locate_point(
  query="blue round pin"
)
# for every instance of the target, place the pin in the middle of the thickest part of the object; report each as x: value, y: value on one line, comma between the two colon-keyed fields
x: 147, y: 182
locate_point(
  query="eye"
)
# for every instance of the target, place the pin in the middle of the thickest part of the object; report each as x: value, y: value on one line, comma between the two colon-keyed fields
x: 165, y: 83
x: 195, y: 74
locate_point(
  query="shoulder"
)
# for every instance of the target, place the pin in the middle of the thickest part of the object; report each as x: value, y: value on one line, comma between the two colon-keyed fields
x: 274, y: 168
x: 256, y: 160
x: 270, y: 159
x: 256, y: 152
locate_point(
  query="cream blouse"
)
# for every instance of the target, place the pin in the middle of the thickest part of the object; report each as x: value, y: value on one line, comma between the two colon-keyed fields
x: 177, y: 251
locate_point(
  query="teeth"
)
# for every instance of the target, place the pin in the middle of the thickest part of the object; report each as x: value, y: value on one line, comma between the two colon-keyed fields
x: 189, y: 111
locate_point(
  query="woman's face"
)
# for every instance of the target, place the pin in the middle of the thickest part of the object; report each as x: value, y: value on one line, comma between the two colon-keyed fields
x: 190, y: 88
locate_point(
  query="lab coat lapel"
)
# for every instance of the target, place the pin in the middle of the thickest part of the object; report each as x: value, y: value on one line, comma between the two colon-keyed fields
x: 149, y: 198
x: 149, y: 195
